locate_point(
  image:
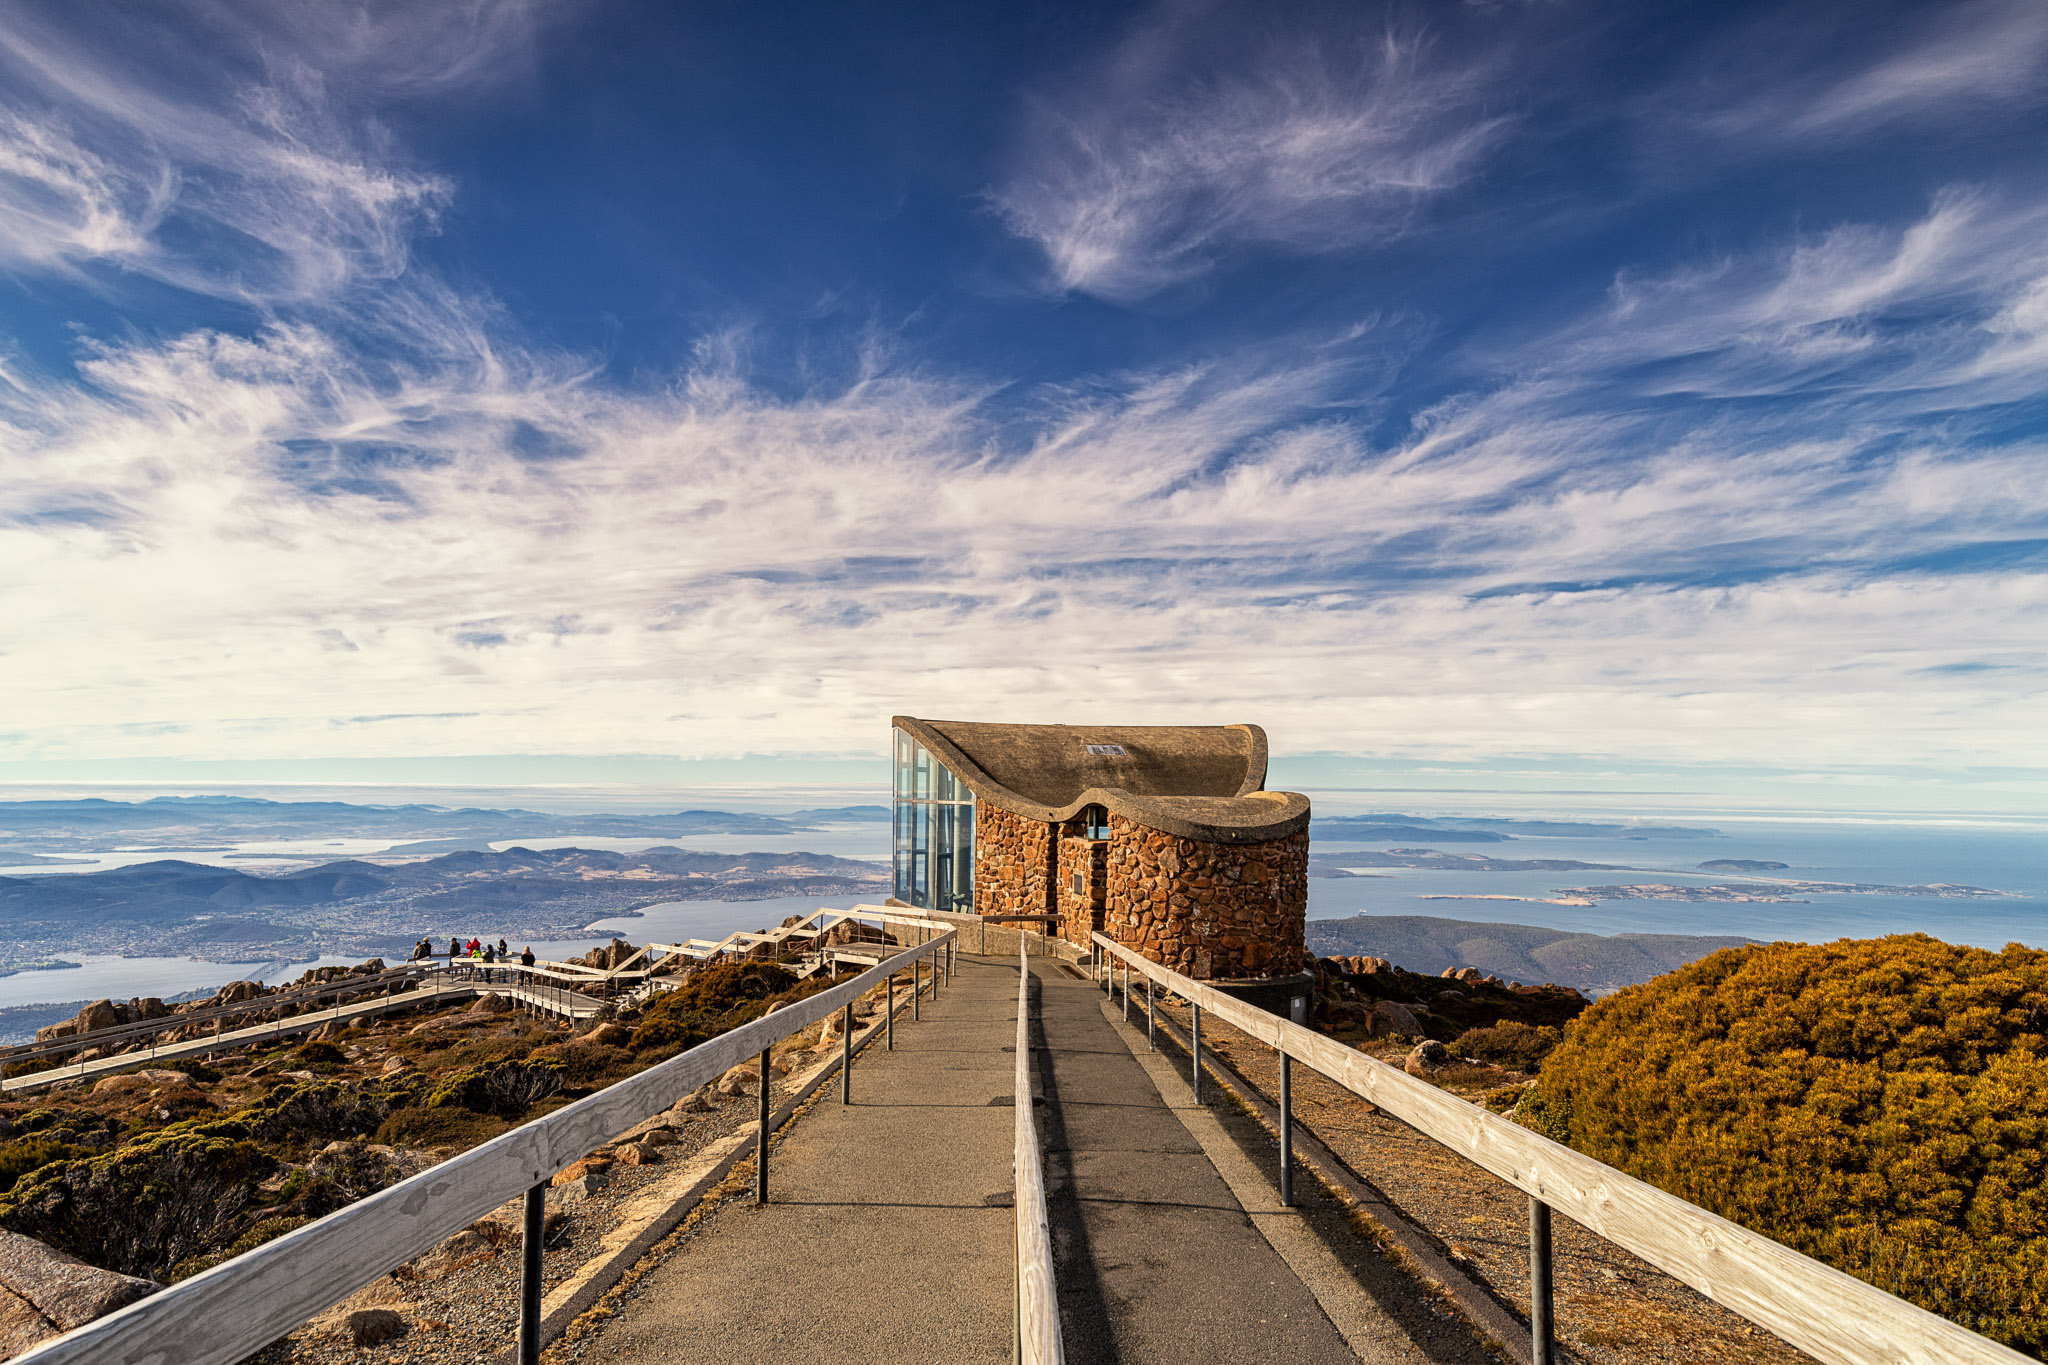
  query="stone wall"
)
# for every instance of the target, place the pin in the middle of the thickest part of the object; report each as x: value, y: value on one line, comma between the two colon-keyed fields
x: 1209, y: 911
x: 1081, y: 912
x: 1013, y: 863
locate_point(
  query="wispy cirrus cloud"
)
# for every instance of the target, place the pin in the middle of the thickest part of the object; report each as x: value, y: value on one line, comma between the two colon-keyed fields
x: 1191, y: 141
x: 1805, y: 76
x: 237, y: 159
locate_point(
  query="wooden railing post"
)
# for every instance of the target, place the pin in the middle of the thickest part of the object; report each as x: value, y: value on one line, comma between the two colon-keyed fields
x: 532, y: 1246
x: 1195, y: 1049
x: 1542, y: 1336
x: 892, y: 1012
x: 1286, y: 1131
x: 846, y: 1055
x: 761, y: 1142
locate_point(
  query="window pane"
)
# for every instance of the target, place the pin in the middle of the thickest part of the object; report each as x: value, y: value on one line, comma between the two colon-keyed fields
x: 920, y: 856
x: 945, y: 787
x: 904, y: 744
x: 921, y: 773
x: 902, y: 842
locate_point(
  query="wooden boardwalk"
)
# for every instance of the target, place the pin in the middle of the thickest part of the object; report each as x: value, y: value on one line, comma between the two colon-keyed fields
x: 438, y: 992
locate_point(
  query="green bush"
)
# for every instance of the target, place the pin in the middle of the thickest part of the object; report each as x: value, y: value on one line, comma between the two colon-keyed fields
x: 507, y: 1090
x: 1509, y: 1044
x: 144, y: 1208
x: 193, y: 1067
x: 319, y: 1054
x: 717, y: 999
x: 17, y: 1159
x: 1881, y: 1105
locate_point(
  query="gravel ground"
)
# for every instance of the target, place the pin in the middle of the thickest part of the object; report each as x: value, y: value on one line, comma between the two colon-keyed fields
x: 1612, y: 1308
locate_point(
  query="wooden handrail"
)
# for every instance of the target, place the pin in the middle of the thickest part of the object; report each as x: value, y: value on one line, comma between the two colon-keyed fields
x: 1038, y: 1308
x: 1830, y: 1315
x: 221, y: 1315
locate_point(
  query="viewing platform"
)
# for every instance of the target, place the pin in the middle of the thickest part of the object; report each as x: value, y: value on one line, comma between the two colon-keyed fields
x: 1019, y: 1161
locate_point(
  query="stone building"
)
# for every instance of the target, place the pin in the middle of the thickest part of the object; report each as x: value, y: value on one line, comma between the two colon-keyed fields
x: 1162, y: 837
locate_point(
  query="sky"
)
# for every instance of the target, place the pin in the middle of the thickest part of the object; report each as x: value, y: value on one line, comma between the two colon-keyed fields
x: 1595, y: 392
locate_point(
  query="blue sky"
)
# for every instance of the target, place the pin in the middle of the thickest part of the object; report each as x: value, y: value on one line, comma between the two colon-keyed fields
x: 1552, y: 386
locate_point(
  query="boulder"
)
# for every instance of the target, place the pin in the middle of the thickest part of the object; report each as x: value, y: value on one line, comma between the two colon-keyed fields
x: 1397, y: 1017
x: 591, y: 1167
x: 58, y: 1030
x: 128, y: 1083
x: 165, y: 1080
x: 573, y: 1191
x: 393, y: 1065
x: 1427, y: 1059
x: 696, y: 1102
x: 739, y: 1080
x: 660, y: 1137
x: 641, y: 1153
x: 491, y: 1003
x: 60, y: 1289
x: 611, y: 1034
x: 149, y: 1007
x: 98, y: 1015
x: 235, y: 992
x: 372, y: 1326
x: 1462, y: 973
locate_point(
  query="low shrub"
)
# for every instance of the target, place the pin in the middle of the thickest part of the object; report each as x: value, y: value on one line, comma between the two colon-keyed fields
x: 507, y: 1090
x: 31, y: 1066
x: 319, y: 1054
x: 1880, y: 1105
x: 1510, y: 1044
x: 17, y: 1159
x: 449, y: 1126
x: 144, y: 1208
x: 196, y: 1069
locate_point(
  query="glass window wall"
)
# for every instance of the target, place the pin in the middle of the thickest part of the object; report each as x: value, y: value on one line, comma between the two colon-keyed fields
x: 934, y: 831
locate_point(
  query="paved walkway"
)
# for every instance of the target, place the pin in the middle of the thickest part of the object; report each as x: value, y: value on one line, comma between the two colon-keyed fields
x: 888, y: 1234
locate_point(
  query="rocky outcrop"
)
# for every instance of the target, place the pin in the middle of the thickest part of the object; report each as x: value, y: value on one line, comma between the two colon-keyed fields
x: 44, y: 1293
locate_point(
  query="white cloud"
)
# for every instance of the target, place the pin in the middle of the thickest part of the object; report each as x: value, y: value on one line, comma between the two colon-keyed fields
x: 1817, y: 75
x: 1169, y: 155
x: 230, y: 155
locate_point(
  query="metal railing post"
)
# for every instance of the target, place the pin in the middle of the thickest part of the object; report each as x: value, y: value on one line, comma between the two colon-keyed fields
x: 1127, y: 992
x: 1542, y: 1338
x: 531, y: 1247
x: 1195, y: 1048
x: 761, y: 1142
x: 1286, y: 1131
x: 1151, y: 1017
x: 846, y: 1055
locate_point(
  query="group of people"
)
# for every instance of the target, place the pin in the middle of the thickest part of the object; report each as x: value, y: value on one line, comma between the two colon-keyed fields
x: 476, y: 951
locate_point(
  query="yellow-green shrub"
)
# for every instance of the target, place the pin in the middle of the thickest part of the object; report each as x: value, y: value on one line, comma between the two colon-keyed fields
x: 1881, y: 1105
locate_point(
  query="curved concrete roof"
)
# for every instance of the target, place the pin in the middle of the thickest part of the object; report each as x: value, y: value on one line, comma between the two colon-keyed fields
x: 1197, y: 781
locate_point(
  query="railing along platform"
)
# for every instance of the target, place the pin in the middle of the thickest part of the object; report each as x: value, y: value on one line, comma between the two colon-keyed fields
x: 1832, y: 1316
x: 221, y: 1315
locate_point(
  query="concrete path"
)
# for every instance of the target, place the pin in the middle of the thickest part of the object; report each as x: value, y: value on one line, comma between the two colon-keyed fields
x: 1170, y: 1244
x: 888, y: 1231
x: 888, y: 1235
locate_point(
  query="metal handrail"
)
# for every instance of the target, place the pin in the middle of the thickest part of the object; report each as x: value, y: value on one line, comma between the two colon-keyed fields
x: 221, y: 1315
x: 1830, y: 1315
x: 1038, y: 1310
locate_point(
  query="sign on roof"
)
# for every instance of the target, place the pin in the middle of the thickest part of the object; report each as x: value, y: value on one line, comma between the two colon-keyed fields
x: 1107, y: 751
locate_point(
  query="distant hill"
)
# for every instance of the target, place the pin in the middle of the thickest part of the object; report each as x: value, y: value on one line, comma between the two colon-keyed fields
x: 1383, y: 826
x: 226, y: 912
x: 1517, y: 952
x: 184, y: 821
